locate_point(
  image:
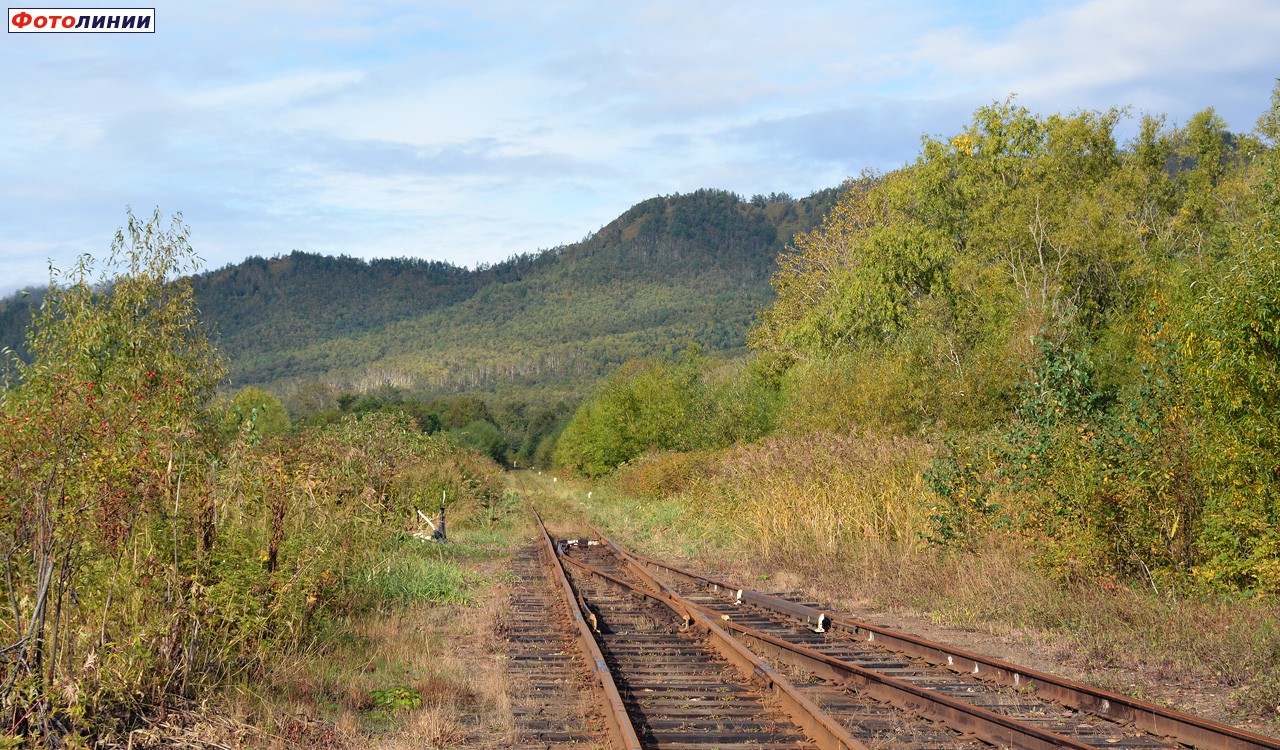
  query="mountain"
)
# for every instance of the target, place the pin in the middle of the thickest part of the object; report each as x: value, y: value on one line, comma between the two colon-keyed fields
x: 15, y: 317
x: 263, y: 309
x: 670, y: 272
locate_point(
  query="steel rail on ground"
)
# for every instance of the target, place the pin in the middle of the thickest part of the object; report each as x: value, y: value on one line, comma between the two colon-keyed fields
x: 965, y: 718
x: 825, y: 731
x: 621, y: 731
x: 1181, y: 727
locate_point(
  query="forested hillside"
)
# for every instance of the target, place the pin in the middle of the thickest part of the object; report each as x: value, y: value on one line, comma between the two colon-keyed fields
x: 15, y: 318
x: 669, y: 272
x: 260, y: 306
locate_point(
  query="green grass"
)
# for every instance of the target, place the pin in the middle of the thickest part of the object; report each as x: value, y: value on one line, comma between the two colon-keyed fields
x: 417, y: 571
x: 412, y: 570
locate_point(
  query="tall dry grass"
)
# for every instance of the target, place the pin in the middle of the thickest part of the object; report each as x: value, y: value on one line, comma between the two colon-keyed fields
x: 825, y: 493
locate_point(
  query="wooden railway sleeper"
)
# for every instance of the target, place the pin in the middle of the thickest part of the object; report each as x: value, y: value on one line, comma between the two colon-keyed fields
x: 987, y: 725
x: 825, y: 731
x: 1148, y: 717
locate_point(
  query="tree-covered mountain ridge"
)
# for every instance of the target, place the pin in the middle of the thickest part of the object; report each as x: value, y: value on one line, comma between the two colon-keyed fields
x: 669, y: 272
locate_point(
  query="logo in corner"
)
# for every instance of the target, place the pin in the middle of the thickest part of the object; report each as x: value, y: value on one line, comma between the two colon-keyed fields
x: 76, y: 20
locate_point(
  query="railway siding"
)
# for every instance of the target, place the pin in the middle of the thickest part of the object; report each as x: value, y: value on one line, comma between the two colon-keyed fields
x: 678, y: 660
x: 1094, y: 716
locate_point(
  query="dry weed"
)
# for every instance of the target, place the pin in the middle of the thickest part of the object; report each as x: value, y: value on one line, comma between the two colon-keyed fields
x: 822, y: 493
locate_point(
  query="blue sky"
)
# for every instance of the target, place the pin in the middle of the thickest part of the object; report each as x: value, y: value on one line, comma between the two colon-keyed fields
x: 471, y: 131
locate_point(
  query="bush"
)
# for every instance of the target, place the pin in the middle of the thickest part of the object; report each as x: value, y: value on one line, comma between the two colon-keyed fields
x: 148, y: 562
x: 647, y: 405
x: 657, y: 475
x: 666, y: 405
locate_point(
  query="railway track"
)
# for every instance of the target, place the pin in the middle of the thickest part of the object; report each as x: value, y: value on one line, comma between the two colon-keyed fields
x: 695, y: 662
x: 551, y: 706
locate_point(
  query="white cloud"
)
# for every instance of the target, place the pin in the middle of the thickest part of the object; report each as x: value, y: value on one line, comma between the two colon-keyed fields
x: 282, y: 92
x: 1157, y: 55
x: 472, y: 131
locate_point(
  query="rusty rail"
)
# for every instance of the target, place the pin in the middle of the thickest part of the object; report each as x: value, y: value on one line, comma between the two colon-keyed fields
x: 825, y: 731
x: 1183, y: 728
x: 621, y: 731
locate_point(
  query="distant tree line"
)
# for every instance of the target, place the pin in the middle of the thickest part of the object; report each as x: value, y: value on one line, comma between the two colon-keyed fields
x: 509, y: 431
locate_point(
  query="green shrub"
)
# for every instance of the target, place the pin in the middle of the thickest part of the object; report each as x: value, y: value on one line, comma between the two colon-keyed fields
x: 152, y: 563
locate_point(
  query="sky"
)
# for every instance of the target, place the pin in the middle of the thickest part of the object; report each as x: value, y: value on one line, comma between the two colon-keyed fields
x: 472, y: 131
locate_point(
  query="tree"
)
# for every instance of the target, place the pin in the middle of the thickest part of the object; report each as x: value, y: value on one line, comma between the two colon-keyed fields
x: 647, y: 405
x: 104, y: 434
x: 1230, y: 337
x: 937, y: 273
x: 312, y: 398
x: 256, y: 414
